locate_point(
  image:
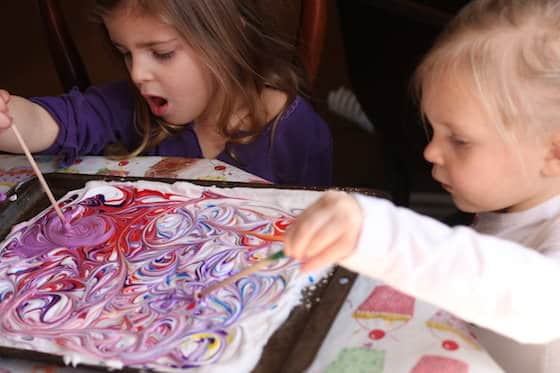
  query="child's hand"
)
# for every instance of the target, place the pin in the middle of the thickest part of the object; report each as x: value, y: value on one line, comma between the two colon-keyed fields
x: 5, y: 118
x: 326, y: 232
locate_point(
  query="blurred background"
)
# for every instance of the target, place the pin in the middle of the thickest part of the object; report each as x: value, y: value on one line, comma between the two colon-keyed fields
x: 370, y: 50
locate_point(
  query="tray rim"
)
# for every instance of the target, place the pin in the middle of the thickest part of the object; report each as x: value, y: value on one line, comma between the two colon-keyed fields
x: 202, y: 182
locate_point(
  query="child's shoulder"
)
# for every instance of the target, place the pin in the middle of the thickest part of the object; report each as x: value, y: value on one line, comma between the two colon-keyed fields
x: 114, y: 95
x: 300, y: 118
x: 300, y: 130
x: 285, y: 109
x: 119, y: 90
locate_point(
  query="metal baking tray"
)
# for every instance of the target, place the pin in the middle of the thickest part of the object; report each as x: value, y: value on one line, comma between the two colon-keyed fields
x: 290, y: 349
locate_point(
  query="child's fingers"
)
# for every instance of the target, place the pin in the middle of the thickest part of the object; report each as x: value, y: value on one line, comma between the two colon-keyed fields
x: 335, y: 241
x: 5, y: 120
x: 4, y: 96
x: 326, y: 233
x: 3, y: 106
x: 336, y: 252
x: 344, y: 224
x: 311, y: 228
x: 4, y: 99
x: 301, y: 232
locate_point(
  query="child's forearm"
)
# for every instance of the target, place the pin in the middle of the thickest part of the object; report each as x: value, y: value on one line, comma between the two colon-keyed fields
x: 35, y: 124
x: 495, y: 283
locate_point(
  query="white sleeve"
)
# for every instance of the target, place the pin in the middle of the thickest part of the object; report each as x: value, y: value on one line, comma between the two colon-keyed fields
x: 497, y: 284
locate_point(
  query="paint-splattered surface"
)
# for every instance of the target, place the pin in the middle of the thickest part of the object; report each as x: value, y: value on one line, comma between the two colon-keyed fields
x: 119, y: 286
x: 15, y: 169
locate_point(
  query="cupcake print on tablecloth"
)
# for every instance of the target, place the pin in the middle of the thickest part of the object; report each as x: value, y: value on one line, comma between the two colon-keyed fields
x: 384, y: 310
x: 439, y: 364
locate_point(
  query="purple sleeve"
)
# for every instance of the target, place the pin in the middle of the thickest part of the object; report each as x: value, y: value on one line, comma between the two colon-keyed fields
x: 90, y: 120
x: 302, y: 147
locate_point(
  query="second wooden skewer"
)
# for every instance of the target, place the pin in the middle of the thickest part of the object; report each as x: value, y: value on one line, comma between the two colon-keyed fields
x: 244, y: 273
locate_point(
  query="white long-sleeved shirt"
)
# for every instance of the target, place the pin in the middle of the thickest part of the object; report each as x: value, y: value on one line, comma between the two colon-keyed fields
x: 504, y: 276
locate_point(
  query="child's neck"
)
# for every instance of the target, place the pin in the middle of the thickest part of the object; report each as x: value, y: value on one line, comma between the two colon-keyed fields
x: 210, y: 141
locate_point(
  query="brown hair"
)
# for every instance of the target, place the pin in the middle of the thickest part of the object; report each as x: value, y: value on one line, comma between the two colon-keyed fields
x: 243, y: 53
x: 509, y: 50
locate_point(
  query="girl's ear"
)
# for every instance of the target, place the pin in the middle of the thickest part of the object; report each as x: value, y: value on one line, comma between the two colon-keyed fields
x: 552, y: 161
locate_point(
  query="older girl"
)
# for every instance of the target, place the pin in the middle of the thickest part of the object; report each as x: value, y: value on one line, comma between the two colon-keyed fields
x: 207, y: 79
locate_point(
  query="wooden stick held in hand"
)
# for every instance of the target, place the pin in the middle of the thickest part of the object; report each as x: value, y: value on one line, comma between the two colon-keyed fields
x: 246, y: 272
x: 38, y: 173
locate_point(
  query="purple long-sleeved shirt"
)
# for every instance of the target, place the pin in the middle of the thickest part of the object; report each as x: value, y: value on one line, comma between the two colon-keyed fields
x: 300, y: 153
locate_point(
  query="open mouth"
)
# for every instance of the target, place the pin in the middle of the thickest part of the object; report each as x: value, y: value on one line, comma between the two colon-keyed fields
x: 158, y: 105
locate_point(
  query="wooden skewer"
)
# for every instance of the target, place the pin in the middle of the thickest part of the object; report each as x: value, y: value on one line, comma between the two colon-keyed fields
x: 244, y: 273
x: 38, y: 173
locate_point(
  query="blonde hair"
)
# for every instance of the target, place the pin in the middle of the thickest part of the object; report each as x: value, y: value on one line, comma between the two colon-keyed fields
x: 243, y: 53
x: 509, y: 51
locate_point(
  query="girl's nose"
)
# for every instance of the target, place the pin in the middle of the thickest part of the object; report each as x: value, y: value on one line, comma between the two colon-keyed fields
x: 139, y: 71
x: 432, y: 152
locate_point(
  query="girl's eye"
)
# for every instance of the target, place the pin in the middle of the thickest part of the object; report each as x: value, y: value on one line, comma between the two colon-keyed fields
x: 163, y: 56
x: 127, y: 57
x: 459, y: 141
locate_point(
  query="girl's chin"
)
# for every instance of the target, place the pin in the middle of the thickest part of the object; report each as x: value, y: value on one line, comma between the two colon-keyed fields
x: 175, y: 120
x: 464, y: 206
